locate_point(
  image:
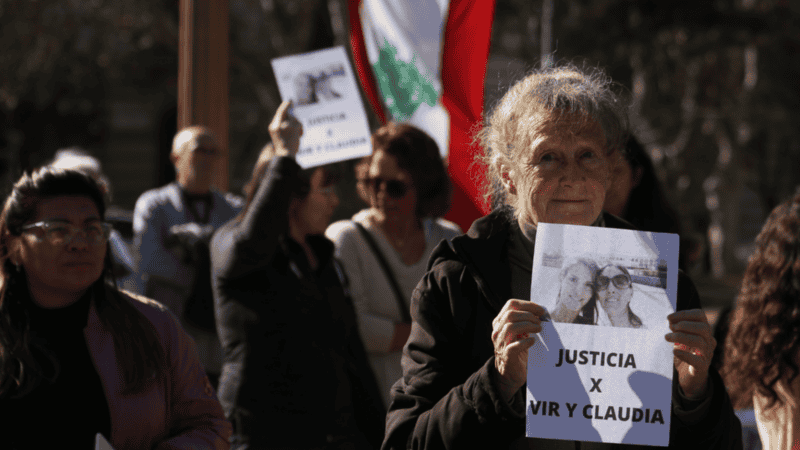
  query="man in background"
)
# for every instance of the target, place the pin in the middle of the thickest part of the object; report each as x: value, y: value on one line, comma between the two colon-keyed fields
x: 172, y: 226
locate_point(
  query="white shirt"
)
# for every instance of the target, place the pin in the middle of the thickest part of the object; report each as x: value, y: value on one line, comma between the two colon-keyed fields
x: 376, y: 305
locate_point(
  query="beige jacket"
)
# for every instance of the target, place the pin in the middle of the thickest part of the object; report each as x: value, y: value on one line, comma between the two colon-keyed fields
x: 779, y: 426
x: 182, y: 412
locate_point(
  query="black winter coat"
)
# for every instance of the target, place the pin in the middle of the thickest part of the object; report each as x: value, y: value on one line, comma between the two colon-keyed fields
x: 448, y: 396
x: 295, y: 373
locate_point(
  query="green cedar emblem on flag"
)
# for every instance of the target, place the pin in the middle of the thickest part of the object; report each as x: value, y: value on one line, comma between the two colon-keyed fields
x: 401, y: 84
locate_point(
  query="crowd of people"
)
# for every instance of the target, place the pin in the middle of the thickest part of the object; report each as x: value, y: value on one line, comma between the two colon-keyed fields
x: 255, y: 323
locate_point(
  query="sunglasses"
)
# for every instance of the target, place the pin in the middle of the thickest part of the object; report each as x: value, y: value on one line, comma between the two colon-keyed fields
x: 394, y: 188
x: 620, y: 281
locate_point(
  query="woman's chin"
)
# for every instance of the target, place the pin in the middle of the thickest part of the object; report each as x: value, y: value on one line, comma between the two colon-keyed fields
x: 572, y: 218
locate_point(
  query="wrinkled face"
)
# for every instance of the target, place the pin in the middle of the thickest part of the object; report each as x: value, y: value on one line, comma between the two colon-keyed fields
x: 196, y: 162
x: 313, y: 213
x: 577, y: 284
x: 67, y: 269
x: 616, y: 296
x: 385, y: 179
x: 562, y: 179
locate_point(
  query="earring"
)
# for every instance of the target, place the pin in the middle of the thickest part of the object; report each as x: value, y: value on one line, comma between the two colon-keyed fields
x: 506, y: 179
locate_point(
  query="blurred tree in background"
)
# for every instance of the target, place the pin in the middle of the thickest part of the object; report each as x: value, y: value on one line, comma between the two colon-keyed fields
x: 58, y: 59
x: 714, y: 93
x: 713, y: 84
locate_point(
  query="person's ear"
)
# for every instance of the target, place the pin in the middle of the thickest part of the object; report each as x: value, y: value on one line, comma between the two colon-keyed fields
x: 293, y: 213
x: 294, y: 206
x: 14, y: 250
x: 507, y: 176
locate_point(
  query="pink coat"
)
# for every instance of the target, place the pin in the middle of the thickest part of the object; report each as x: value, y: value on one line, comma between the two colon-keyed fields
x: 180, y: 413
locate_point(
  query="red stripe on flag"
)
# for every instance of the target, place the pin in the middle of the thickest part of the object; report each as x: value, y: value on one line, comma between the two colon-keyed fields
x: 465, y: 51
x: 464, y: 55
x: 361, y: 60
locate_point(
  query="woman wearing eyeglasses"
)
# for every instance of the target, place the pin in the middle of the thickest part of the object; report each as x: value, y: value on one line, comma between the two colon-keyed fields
x: 78, y: 357
x: 615, y: 290
x: 384, y: 249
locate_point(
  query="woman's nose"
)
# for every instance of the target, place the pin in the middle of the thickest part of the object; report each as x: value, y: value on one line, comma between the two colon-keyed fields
x: 79, y: 241
x: 380, y: 188
x: 572, y: 173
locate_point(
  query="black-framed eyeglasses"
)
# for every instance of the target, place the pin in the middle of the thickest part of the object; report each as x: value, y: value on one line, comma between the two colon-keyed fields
x: 620, y: 281
x: 394, y: 188
x: 60, y: 233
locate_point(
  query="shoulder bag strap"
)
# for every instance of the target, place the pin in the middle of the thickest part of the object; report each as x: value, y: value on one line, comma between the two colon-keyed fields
x: 387, y: 270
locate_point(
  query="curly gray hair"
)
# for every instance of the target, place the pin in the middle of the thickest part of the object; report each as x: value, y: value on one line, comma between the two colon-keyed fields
x: 581, y: 99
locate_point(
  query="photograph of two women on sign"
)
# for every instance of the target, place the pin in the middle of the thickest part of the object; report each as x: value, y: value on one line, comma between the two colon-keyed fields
x: 601, y: 369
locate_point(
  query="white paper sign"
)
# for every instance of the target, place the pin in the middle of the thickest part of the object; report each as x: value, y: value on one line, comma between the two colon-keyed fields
x: 326, y: 101
x: 100, y: 443
x: 601, y: 369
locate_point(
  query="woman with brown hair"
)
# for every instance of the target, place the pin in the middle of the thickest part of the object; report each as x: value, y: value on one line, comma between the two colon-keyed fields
x: 295, y: 373
x: 762, y: 352
x: 78, y: 357
x: 385, y: 248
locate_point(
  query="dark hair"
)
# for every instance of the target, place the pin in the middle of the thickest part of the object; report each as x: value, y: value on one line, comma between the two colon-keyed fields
x: 647, y: 207
x: 632, y: 317
x: 136, y: 342
x: 417, y: 154
x: 76, y: 158
x: 578, y: 98
x: 764, y: 337
x: 332, y: 175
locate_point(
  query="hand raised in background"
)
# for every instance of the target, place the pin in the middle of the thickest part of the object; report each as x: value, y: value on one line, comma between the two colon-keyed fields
x: 285, y: 131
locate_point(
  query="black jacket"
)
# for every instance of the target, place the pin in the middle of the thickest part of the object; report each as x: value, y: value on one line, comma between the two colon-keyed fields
x: 295, y: 373
x: 448, y: 398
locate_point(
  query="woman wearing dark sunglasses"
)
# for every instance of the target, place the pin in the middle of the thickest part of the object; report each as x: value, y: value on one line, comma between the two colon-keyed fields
x: 408, y: 190
x: 78, y: 357
x: 614, y: 291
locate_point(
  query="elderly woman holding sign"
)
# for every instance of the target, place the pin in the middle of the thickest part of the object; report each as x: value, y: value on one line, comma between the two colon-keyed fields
x: 551, y: 145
